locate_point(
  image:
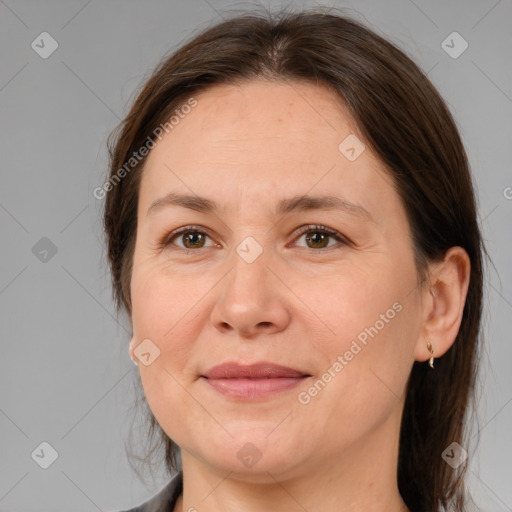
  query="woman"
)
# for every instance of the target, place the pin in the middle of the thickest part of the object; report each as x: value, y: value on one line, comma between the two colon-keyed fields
x: 291, y: 227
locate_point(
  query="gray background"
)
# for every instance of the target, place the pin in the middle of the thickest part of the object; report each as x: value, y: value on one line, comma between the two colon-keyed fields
x: 65, y: 375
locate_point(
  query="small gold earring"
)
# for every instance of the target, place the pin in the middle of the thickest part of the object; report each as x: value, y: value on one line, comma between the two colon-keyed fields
x: 431, y: 350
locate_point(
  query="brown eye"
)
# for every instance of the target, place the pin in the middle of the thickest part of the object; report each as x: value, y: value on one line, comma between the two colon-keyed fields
x: 187, y: 238
x: 193, y: 239
x: 318, y: 237
x: 319, y: 240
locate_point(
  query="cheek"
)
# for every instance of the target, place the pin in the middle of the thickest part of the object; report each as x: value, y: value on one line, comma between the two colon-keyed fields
x: 169, y: 309
x: 163, y: 311
x: 362, y: 302
x: 166, y: 315
x: 163, y: 301
x: 367, y: 350
x: 364, y: 376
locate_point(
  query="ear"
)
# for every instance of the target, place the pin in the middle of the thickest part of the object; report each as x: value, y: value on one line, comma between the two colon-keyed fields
x: 443, y: 300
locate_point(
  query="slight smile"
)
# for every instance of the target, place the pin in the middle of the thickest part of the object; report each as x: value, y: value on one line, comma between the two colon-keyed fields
x: 252, y: 382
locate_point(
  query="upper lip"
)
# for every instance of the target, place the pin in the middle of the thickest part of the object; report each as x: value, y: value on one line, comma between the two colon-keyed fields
x: 263, y: 370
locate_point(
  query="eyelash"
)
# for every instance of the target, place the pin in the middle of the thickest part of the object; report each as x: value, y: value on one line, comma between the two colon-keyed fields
x: 168, y: 239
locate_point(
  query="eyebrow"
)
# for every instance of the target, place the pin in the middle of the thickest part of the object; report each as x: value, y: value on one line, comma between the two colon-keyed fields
x: 284, y: 207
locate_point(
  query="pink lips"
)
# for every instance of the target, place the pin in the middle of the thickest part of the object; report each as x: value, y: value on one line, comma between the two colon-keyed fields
x: 252, y: 382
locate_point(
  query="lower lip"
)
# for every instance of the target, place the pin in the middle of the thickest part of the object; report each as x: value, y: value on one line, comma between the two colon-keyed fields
x: 253, y: 389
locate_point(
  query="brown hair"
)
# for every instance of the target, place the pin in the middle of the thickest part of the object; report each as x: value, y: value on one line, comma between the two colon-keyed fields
x: 407, y: 124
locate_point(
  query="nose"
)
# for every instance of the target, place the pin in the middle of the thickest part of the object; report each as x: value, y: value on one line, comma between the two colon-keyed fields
x: 252, y: 299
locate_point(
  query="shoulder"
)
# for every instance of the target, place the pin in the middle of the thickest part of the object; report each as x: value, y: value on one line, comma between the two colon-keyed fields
x: 165, y: 500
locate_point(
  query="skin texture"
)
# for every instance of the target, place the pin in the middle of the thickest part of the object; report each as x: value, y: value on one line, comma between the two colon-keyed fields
x: 298, y: 304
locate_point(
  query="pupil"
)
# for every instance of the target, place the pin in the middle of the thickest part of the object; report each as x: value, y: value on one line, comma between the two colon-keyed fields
x: 317, y: 238
x: 193, y: 237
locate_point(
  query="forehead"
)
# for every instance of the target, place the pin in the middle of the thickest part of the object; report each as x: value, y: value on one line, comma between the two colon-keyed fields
x: 260, y: 139
x: 274, y: 113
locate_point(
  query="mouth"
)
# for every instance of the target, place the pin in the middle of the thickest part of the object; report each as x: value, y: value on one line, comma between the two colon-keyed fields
x: 252, y: 382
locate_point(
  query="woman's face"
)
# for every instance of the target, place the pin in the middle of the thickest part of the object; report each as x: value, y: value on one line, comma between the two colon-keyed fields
x: 251, y: 283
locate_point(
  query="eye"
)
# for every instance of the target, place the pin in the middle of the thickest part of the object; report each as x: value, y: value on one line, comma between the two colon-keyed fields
x: 192, y: 237
x: 318, y: 236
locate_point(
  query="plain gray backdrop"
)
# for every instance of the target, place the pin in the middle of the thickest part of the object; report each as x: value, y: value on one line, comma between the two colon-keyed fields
x: 65, y: 375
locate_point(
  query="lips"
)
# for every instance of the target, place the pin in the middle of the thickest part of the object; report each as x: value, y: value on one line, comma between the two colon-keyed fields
x: 253, y: 382
x: 254, y: 371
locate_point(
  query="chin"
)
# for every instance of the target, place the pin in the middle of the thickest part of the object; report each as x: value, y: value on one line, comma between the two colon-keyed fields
x: 254, y: 457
